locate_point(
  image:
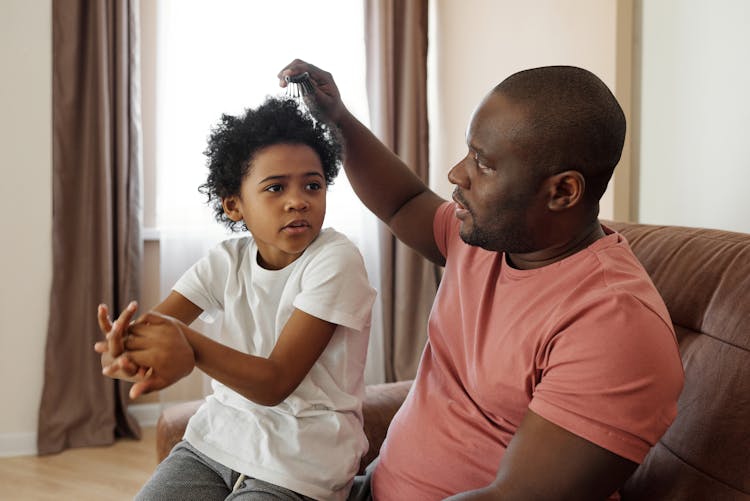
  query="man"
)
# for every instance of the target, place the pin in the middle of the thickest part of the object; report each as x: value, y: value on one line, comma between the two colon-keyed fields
x: 551, y: 366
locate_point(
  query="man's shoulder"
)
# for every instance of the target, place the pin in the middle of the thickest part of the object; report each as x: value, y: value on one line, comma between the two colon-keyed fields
x: 623, y: 273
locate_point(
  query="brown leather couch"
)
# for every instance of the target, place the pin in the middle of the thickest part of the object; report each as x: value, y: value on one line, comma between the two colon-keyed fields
x: 704, y: 277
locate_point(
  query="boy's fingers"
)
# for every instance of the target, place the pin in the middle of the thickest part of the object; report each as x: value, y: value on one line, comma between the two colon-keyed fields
x: 117, y: 328
x: 141, y: 358
x: 150, y: 383
x: 122, y: 368
x: 103, y: 317
x: 127, y: 313
x: 138, y: 330
x: 101, y: 346
x: 134, y: 342
x: 136, y: 390
x: 114, y: 339
x: 150, y: 317
x: 143, y: 373
x: 109, y: 370
x: 143, y: 318
x: 141, y: 387
x: 127, y: 366
x: 145, y: 326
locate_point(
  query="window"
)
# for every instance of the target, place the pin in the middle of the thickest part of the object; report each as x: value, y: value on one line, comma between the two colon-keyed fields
x: 222, y: 56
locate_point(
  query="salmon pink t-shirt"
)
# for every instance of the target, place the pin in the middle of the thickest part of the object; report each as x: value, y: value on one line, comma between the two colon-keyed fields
x: 585, y: 343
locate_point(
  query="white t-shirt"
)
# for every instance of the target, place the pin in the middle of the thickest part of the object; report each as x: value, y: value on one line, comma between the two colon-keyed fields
x: 312, y: 442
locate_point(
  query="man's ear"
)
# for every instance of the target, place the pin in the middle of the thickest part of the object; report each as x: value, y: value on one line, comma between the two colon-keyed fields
x: 565, y: 190
x: 232, y: 208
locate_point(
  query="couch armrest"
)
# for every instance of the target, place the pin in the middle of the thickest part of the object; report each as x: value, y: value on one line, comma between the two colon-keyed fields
x: 171, y: 426
x: 381, y: 403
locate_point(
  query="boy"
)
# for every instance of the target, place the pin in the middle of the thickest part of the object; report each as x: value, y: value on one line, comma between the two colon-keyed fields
x: 284, y: 420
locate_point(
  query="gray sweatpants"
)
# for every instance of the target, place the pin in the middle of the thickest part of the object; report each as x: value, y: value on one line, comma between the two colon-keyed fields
x: 186, y: 474
x: 361, y: 487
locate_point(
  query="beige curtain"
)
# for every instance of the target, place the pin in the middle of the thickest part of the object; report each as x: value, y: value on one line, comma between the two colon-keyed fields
x: 396, y: 43
x: 96, y: 239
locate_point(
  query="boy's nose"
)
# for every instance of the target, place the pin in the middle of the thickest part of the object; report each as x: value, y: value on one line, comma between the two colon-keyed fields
x: 297, y: 202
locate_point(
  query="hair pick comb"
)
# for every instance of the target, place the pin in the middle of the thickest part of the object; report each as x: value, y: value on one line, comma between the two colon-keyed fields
x: 298, y: 86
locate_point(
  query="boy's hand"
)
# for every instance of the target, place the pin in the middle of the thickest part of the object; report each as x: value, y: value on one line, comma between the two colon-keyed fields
x: 158, y: 341
x: 113, y: 363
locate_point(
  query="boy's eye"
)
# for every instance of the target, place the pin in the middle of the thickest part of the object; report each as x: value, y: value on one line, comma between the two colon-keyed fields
x: 274, y: 188
x: 313, y: 186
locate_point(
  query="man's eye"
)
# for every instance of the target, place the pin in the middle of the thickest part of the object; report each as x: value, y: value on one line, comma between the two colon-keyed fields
x: 481, y: 166
x: 274, y: 188
x: 478, y: 162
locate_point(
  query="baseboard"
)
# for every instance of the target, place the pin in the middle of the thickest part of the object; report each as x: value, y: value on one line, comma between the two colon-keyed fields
x: 18, y: 444
x: 24, y: 443
x: 146, y: 414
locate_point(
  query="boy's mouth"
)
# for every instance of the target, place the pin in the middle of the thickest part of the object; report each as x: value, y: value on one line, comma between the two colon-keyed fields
x: 296, y: 225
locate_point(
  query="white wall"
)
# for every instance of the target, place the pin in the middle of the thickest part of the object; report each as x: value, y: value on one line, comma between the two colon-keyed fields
x: 26, y: 208
x: 481, y: 42
x: 695, y: 113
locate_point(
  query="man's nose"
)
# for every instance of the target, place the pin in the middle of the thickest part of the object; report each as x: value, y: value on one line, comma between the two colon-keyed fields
x: 458, y: 176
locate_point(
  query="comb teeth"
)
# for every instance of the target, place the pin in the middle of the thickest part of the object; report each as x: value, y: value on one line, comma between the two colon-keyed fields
x: 298, y: 86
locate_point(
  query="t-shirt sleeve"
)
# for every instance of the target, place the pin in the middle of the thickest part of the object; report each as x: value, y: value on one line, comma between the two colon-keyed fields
x: 203, y: 283
x: 335, y: 287
x: 611, y: 375
x: 444, y: 226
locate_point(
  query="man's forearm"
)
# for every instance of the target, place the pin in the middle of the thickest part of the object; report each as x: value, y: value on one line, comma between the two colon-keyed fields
x: 381, y: 180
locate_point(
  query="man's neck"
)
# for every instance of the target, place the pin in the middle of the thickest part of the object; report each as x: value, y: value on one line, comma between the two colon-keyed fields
x: 579, y: 241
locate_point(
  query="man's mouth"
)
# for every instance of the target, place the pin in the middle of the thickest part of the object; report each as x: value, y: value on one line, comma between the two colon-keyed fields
x: 462, y: 209
x: 459, y: 199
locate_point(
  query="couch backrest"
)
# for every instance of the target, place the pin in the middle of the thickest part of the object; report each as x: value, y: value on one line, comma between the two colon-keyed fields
x: 704, y: 277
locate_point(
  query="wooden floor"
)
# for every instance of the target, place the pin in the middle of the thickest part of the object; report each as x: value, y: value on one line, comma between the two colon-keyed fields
x: 97, y: 473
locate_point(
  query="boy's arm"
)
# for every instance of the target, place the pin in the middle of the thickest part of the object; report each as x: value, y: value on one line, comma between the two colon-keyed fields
x: 265, y: 381
x: 381, y: 180
x: 178, y: 306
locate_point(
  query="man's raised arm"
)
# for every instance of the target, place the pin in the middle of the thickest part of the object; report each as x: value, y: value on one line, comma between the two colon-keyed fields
x: 379, y: 178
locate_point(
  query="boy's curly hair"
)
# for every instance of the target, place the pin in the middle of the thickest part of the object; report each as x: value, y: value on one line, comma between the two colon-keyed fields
x: 235, y: 140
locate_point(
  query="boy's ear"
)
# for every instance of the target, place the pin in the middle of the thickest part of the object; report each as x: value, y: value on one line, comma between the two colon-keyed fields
x: 232, y: 208
x: 566, y: 190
